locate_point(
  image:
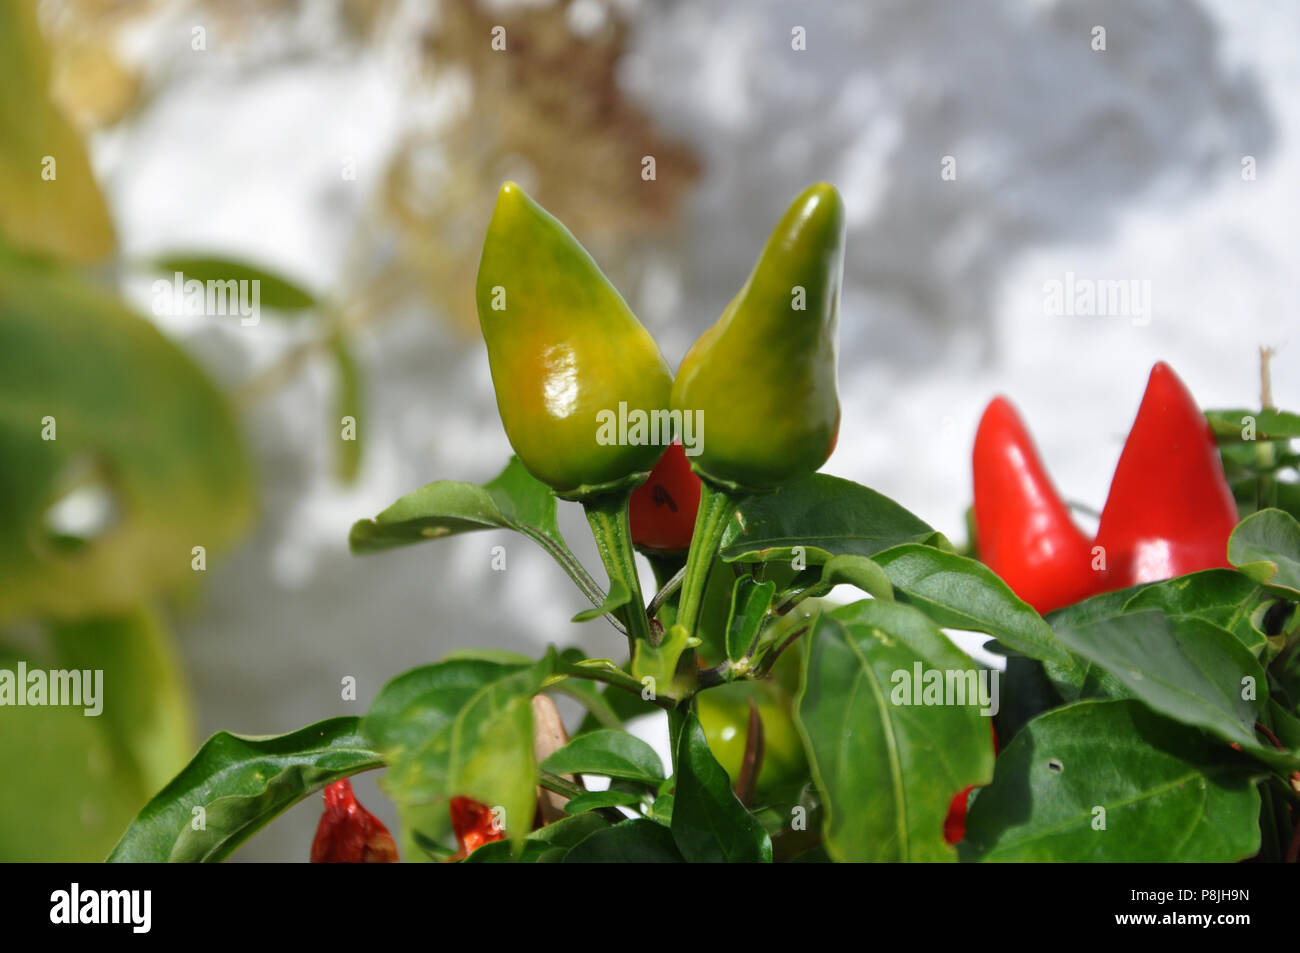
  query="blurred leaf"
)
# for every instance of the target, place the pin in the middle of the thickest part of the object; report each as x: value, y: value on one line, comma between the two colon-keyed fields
x: 348, y: 403
x: 273, y: 290
x: 1269, y: 424
x: 242, y: 783
x: 546, y: 845
x: 139, y: 431
x: 67, y: 792
x: 146, y: 711
x: 51, y: 210
x: 594, y: 800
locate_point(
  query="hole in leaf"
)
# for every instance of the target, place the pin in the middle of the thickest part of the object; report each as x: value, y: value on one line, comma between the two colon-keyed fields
x: 85, y: 505
x: 1055, y: 766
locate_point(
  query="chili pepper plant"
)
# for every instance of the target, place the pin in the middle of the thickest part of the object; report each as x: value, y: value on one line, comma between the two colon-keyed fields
x: 1148, y: 707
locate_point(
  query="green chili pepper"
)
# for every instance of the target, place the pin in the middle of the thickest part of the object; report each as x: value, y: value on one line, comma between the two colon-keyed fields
x: 762, y: 379
x: 566, y: 353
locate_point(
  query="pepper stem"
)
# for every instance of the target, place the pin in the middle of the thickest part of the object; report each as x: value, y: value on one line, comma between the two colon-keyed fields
x: 607, y: 515
x: 716, y: 507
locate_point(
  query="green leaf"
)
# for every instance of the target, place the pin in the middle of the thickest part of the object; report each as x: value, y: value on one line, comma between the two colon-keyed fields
x: 614, y: 754
x: 618, y: 597
x: 273, y: 290
x: 961, y: 593
x: 1231, y: 425
x: 348, y: 403
x: 1221, y: 596
x: 462, y: 727
x: 546, y: 845
x: 1186, y: 669
x: 242, y: 783
x: 146, y: 706
x: 824, y: 516
x: 594, y: 800
x: 48, y: 209
x: 750, y: 601
x: 635, y: 841
x: 659, y: 662
x: 97, y: 406
x: 709, y: 824
x: 1166, y: 793
x: 67, y: 795
x: 1266, y: 547
x: 887, y: 768
x: 514, y: 500
x: 412, y: 718
x: 491, y: 757
x: 858, y: 571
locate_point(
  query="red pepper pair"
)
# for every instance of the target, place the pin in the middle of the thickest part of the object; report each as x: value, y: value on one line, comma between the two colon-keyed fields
x: 349, y: 834
x: 1169, y: 511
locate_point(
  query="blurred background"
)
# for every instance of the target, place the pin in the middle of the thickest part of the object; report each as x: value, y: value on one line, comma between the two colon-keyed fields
x: 349, y: 152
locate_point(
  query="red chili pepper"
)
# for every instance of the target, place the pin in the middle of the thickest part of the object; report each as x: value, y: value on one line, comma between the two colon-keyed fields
x: 473, y: 825
x: 348, y: 833
x: 1170, y: 509
x: 1024, y: 531
x: 954, y: 825
x: 662, y: 512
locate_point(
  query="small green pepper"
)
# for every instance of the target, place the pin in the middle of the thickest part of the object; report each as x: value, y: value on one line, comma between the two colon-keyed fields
x: 566, y: 352
x: 762, y: 380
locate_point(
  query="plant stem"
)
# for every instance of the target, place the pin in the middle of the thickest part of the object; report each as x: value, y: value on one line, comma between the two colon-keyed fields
x: 607, y: 516
x: 663, y: 595
x: 716, y: 508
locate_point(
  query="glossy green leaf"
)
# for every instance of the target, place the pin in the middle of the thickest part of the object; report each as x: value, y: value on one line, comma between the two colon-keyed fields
x: 635, y: 841
x: 273, y: 290
x: 750, y: 601
x: 1113, y: 781
x: 119, y: 455
x: 1266, y: 547
x: 824, y: 516
x: 614, y: 754
x: 241, y: 783
x: 1186, y: 669
x: 887, y: 767
x: 1221, y: 596
x: 709, y: 824
x: 49, y: 202
x: 960, y: 593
